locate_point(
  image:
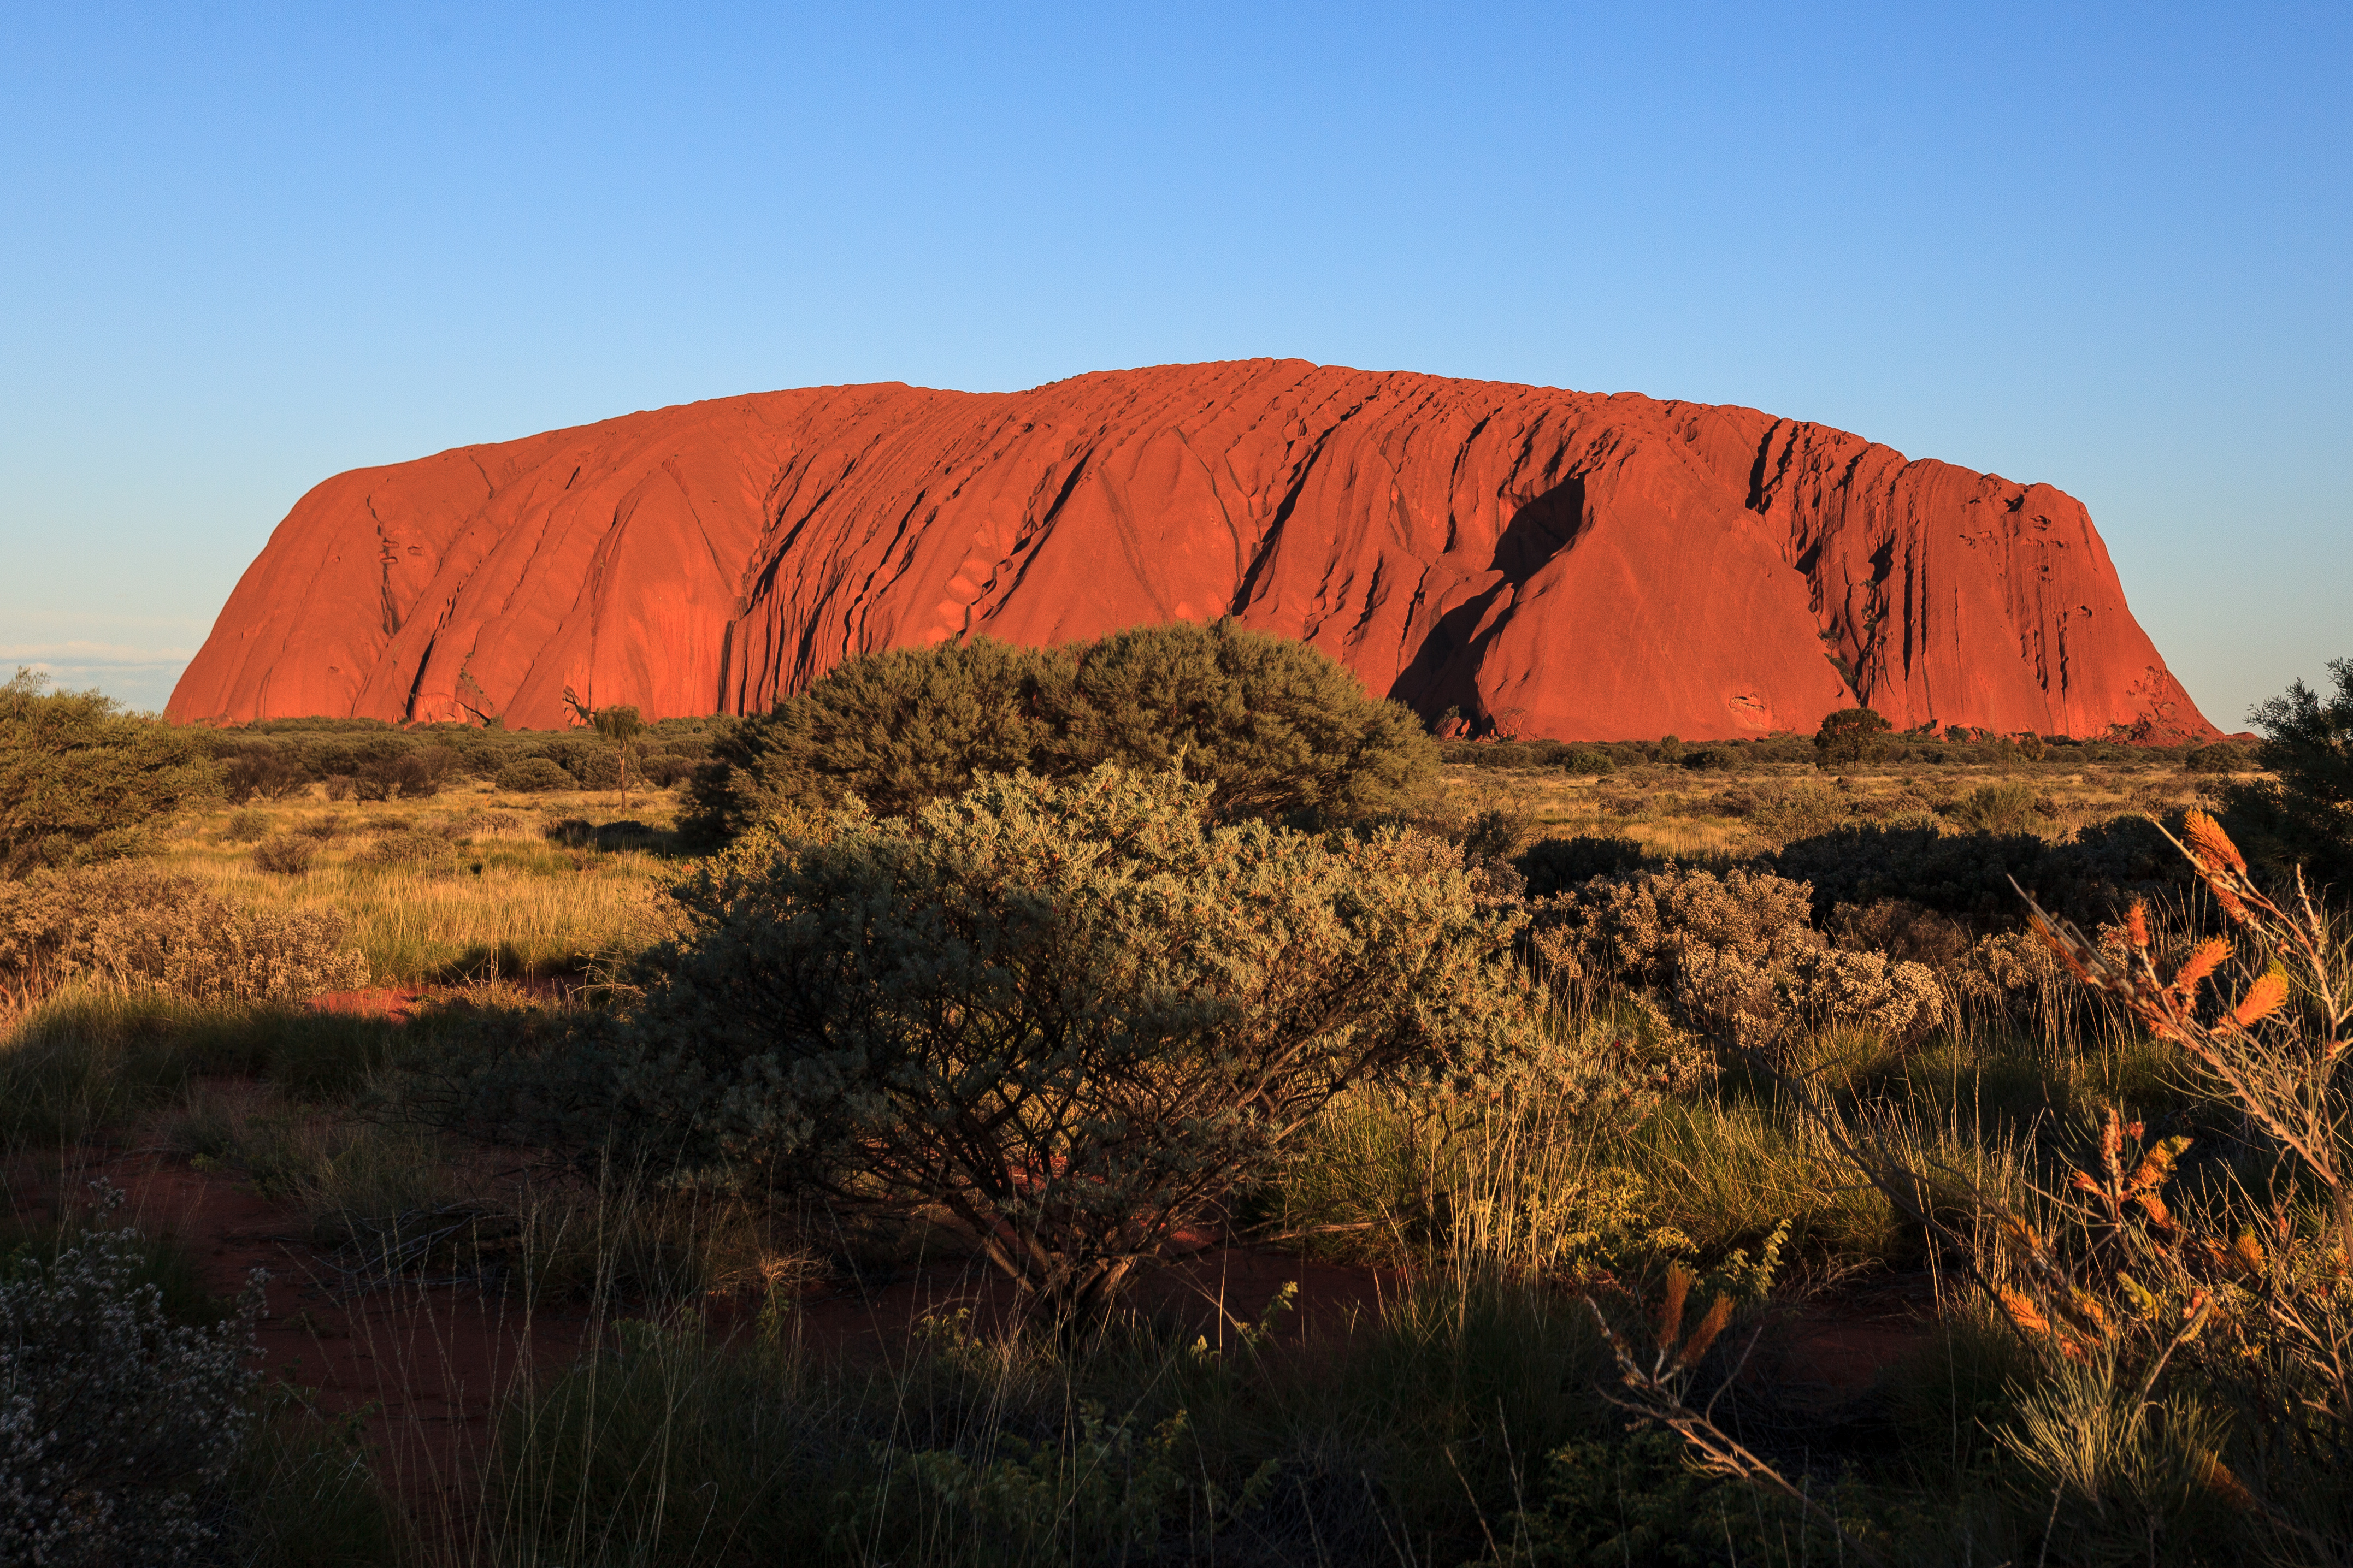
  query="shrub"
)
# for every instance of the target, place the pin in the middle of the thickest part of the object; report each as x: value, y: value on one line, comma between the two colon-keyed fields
x: 2222, y: 757
x: 532, y: 775
x: 244, y: 827
x: 1078, y: 1016
x: 1271, y: 726
x: 115, y: 1424
x: 408, y: 847
x: 1736, y: 955
x: 1586, y: 760
x: 285, y: 855
x: 2011, y: 806
x: 1553, y: 865
x: 1716, y: 759
x: 1850, y: 735
x: 80, y: 780
x: 405, y: 775
x: 129, y: 926
x: 263, y: 771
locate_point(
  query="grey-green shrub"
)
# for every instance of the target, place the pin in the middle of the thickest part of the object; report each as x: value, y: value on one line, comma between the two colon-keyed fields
x: 1736, y: 955
x: 532, y: 775
x: 133, y: 928
x: 1077, y: 1016
x: 1271, y: 726
x: 115, y: 1424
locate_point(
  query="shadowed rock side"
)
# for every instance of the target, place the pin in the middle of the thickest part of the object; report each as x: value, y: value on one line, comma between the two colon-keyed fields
x: 1555, y: 563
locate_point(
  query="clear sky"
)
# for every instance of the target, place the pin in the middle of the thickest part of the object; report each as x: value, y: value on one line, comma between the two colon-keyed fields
x: 244, y: 247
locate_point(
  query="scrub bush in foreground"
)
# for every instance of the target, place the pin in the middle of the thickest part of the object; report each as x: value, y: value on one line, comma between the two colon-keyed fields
x: 114, y: 1423
x: 1081, y: 1016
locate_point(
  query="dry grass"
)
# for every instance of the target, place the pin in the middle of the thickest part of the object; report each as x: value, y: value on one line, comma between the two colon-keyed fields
x: 502, y: 900
x: 1693, y: 813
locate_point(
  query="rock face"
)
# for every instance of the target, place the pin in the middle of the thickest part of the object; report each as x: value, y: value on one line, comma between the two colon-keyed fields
x: 1550, y: 563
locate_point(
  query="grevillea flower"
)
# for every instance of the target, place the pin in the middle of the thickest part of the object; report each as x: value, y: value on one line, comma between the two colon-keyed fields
x: 2211, y: 847
x: 2136, y: 922
x: 2265, y: 997
x: 2202, y: 961
x: 1718, y: 1316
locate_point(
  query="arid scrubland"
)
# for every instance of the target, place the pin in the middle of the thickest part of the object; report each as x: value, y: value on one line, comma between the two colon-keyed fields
x: 1694, y: 1154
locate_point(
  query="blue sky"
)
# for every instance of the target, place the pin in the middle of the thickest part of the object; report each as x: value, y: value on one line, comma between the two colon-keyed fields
x: 245, y: 248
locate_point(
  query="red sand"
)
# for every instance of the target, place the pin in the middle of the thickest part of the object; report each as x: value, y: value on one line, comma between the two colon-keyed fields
x: 1558, y: 563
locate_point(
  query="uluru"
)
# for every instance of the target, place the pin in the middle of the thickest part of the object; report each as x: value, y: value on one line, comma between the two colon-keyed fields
x: 1541, y: 562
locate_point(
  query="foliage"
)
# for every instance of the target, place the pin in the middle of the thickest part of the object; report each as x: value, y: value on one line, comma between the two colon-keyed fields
x: 2010, y: 808
x: 532, y: 775
x: 1078, y: 1017
x: 114, y: 1423
x: 1737, y: 954
x: 286, y: 855
x: 1969, y: 874
x: 1551, y: 866
x: 82, y: 781
x: 2304, y: 812
x: 1272, y: 726
x: 1850, y: 735
x: 130, y: 927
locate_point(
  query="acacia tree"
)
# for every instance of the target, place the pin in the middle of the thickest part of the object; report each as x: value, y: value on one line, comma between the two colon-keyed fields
x: 1081, y: 1016
x: 1850, y: 735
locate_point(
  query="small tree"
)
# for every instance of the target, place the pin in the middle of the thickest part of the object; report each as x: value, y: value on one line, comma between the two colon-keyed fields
x: 1848, y: 736
x: 80, y: 780
x: 1079, y: 1017
x: 619, y: 724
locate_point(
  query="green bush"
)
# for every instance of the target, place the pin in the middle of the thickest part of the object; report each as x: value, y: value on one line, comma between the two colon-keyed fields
x: 1588, y: 760
x: 1078, y: 1016
x: 80, y: 780
x: 1271, y: 726
x: 532, y: 775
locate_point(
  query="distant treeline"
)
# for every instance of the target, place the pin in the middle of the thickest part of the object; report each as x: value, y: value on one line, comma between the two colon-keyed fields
x: 1596, y: 757
x: 368, y: 759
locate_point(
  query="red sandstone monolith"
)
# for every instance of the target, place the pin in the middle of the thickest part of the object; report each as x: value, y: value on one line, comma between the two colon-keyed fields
x: 1550, y: 563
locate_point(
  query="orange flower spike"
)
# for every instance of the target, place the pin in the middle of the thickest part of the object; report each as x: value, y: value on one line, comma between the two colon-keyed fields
x: 2023, y: 1312
x: 2137, y: 923
x: 2248, y: 1253
x: 2203, y: 960
x: 1680, y: 1281
x: 2082, y: 1181
x: 1719, y: 1317
x: 2211, y: 846
x: 2231, y: 904
x: 2264, y: 998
